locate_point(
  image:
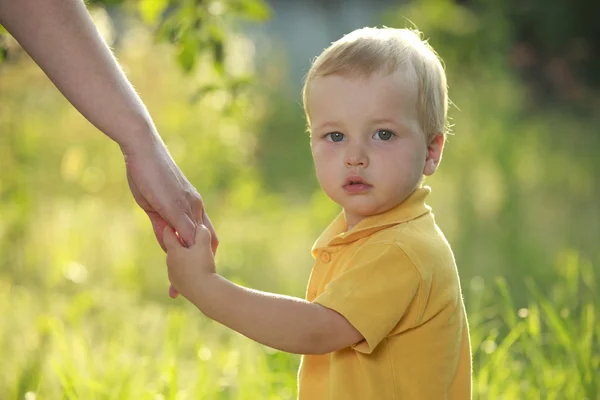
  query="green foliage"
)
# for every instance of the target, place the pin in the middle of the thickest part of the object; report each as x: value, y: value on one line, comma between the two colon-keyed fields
x: 3, y: 47
x: 194, y: 27
x: 198, y: 27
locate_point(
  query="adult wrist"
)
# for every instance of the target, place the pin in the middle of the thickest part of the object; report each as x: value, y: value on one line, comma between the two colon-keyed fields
x: 141, y: 138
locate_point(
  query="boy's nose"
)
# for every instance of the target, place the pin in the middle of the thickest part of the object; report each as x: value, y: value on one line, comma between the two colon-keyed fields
x: 356, y: 157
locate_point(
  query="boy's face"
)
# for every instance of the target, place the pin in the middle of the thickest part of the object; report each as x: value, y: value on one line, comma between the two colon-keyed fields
x: 369, y: 150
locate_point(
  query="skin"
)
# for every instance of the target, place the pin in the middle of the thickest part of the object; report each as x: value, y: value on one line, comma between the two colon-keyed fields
x: 354, y: 110
x: 61, y: 38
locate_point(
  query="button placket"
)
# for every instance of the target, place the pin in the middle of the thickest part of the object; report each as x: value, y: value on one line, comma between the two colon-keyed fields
x: 319, y: 270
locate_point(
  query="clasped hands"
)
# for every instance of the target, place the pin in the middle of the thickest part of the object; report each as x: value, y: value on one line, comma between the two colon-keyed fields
x: 173, y: 205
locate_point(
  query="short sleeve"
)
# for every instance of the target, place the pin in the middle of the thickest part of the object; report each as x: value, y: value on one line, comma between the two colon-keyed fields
x: 374, y: 293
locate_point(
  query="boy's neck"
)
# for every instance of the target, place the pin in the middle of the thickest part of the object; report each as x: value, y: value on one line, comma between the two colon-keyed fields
x: 351, y: 222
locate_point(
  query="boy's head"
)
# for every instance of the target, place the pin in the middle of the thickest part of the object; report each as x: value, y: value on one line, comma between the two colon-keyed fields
x: 376, y: 103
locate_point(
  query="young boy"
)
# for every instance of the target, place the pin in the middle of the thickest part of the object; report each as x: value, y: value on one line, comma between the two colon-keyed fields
x: 383, y: 316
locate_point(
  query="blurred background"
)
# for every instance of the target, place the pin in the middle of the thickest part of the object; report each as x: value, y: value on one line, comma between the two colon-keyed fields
x: 83, y: 285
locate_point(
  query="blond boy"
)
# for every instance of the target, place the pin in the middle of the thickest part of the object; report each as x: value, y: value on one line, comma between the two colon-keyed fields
x: 383, y: 316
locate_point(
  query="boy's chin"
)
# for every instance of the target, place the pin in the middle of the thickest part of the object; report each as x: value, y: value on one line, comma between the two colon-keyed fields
x: 368, y: 209
x: 362, y: 211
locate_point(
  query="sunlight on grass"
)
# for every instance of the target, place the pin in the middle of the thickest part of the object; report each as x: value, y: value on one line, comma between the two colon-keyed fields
x: 83, y: 284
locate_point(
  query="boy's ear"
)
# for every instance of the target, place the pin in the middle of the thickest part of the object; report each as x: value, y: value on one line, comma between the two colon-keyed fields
x: 434, y: 154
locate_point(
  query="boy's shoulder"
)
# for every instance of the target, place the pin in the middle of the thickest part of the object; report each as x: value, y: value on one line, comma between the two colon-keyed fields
x: 413, y: 232
x: 420, y: 240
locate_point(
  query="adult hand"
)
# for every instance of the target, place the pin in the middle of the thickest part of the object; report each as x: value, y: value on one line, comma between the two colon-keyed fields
x: 164, y: 193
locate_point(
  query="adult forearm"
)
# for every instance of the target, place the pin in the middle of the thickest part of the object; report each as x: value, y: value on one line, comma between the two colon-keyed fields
x: 62, y: 39
x: 281, y: 322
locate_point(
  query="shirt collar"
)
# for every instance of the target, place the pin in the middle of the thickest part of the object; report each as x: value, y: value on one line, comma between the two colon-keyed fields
x: 411, y: 208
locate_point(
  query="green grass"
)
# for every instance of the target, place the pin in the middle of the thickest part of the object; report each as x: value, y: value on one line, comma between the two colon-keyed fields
x: 547, y: 350
x: 102, y: 345
x: 90, y: 333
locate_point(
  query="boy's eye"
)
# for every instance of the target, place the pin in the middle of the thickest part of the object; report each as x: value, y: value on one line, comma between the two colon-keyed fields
x: 335, y: 136
x: 383, y: 134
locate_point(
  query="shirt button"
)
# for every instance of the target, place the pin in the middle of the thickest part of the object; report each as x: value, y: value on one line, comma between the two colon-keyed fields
x: 325, y: 257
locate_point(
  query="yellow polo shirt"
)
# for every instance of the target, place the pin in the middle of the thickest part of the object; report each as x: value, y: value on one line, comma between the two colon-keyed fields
x: 394, y: 278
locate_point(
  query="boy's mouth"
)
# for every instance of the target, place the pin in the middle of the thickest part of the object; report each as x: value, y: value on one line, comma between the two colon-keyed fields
x: 356, y: 184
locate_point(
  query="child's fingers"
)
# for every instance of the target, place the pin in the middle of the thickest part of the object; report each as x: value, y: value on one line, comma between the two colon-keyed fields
x: 170, y: 240
x: 203, y: 235
x: 173, y: 293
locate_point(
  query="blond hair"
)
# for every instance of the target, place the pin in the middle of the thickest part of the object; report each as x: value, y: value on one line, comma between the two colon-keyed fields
x: 369, y: 50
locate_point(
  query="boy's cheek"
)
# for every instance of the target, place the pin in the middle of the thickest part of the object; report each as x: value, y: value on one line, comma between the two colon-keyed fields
x: 324, y: 160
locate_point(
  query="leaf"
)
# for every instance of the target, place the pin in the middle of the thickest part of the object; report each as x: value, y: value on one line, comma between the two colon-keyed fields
x: 586, y: 343
x: 203, y: 90
x: 31, y: 373
x: 533, y: 320
x: 151, y: 10
x: 509, y: 309
x: 256, y: 10
x: 3, y: 49
x: 554, y: 321
x: 587, y: 275
x: 588, y: 322
x: 240, y: 83
x: 187, y: 53
x: 216, y: 42
x: 219, y: 56
x: 570, y: 270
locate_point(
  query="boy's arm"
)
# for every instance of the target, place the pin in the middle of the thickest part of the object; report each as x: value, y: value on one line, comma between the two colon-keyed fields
x: 284, y: 323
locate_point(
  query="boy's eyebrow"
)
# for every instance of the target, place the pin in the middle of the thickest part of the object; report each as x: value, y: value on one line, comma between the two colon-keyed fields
x: 385, y: 121
x: 327, y: 124
x: 337, y: 125
x: 398, y: 123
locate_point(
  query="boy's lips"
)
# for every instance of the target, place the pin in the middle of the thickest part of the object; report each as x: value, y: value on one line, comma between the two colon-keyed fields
x: 355, y: 184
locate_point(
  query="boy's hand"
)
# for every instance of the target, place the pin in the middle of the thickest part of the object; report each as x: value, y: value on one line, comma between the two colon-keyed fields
x: 189, y: 267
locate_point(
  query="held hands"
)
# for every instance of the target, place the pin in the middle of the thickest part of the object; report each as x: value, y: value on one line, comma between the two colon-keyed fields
x: 163, y: 192
x: 189, y: 268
